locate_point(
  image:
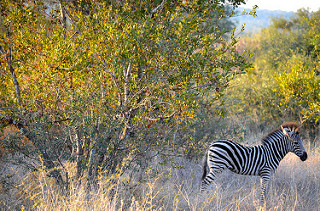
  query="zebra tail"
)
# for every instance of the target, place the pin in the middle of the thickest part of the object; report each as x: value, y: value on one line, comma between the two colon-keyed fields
x: 205, y: 166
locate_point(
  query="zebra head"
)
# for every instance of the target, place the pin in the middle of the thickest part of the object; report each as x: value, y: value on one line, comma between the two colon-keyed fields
x: 295, y: 141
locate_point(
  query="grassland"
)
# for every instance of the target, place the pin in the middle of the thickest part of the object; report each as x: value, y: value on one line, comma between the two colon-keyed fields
x: 295, y: 186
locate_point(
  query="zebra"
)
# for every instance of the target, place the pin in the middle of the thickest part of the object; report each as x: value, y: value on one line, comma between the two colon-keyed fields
x: 261, y: 160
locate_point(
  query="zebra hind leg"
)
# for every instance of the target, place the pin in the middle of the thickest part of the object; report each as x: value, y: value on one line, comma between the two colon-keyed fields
x: 206, y: 181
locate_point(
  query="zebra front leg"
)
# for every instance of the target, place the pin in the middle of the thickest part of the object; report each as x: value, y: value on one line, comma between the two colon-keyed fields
x: 265, y: 177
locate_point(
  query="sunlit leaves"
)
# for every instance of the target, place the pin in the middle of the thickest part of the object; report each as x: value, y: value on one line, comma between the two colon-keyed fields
x: 136, y: 68
x: 284, y: 81
x: 298, y: 89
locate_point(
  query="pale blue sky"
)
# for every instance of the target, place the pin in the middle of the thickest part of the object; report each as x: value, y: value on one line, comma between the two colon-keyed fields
x: 285, y: 5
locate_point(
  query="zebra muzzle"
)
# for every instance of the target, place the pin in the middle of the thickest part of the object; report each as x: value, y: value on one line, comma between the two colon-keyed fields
x: 304, y: 156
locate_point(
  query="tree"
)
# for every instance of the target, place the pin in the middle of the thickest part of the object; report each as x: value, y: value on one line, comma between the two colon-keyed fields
x: 110, y: 79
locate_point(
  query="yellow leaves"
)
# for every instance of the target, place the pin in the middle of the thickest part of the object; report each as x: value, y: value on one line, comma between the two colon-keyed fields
x: 190, y: 114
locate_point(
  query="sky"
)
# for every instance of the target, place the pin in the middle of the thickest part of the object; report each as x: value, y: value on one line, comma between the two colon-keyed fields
x: 285, y: 5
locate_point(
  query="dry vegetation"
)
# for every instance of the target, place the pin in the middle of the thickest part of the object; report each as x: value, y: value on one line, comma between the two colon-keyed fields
x: 295, y: 186
x: 94, y: 84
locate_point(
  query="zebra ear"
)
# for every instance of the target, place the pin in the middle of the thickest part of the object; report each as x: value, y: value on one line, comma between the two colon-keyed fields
x: 284, y: 131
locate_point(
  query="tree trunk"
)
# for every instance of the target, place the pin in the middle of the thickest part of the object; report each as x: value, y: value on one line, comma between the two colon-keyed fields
x: 79, y: 155
x: 14, y: 78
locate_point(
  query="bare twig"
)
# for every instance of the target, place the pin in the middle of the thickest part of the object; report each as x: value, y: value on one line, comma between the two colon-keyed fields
x: 63, y: 19
x: 159, y: 7
x: 127, y: 74
x: 7, y: 108
x: 115, y: 81
x: 162, y: 117
x: 72, y: 21
x: 62, y: 120
x: 66, y: 68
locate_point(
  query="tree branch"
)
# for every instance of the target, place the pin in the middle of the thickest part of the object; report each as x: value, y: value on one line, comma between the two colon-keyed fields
x: 63, y: 19
x: 115, y: 81
x: 159, y: 7
x: 127, y: 75
x: 11, y: 69
x: 33, y: 139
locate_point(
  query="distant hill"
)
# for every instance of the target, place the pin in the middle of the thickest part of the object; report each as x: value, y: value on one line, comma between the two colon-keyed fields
x: 262, y: 20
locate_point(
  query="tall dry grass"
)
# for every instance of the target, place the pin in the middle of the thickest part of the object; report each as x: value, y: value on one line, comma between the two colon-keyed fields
x: 295, y: 186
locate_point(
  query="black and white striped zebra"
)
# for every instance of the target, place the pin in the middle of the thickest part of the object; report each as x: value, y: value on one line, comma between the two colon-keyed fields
x: 261, y: 160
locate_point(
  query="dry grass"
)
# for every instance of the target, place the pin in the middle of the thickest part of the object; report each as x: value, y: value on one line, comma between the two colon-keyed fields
x: 295, y: 186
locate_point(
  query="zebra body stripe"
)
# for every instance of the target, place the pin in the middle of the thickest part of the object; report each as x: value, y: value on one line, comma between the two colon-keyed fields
x: 240, y: 159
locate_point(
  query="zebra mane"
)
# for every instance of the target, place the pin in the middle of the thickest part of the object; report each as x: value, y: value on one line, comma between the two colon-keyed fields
x: 277, y: 133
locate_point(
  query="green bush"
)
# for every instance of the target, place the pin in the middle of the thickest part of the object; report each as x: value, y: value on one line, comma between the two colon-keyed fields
x: 283, y: 83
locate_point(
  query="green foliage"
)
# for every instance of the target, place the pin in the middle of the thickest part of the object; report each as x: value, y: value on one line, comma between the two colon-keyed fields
x: 101, y: 81
x: 284, y: 83
x: 298, y: 89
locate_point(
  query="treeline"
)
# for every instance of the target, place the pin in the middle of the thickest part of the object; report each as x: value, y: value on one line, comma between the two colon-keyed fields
x: 283, y: 83
x: 262, y: 20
